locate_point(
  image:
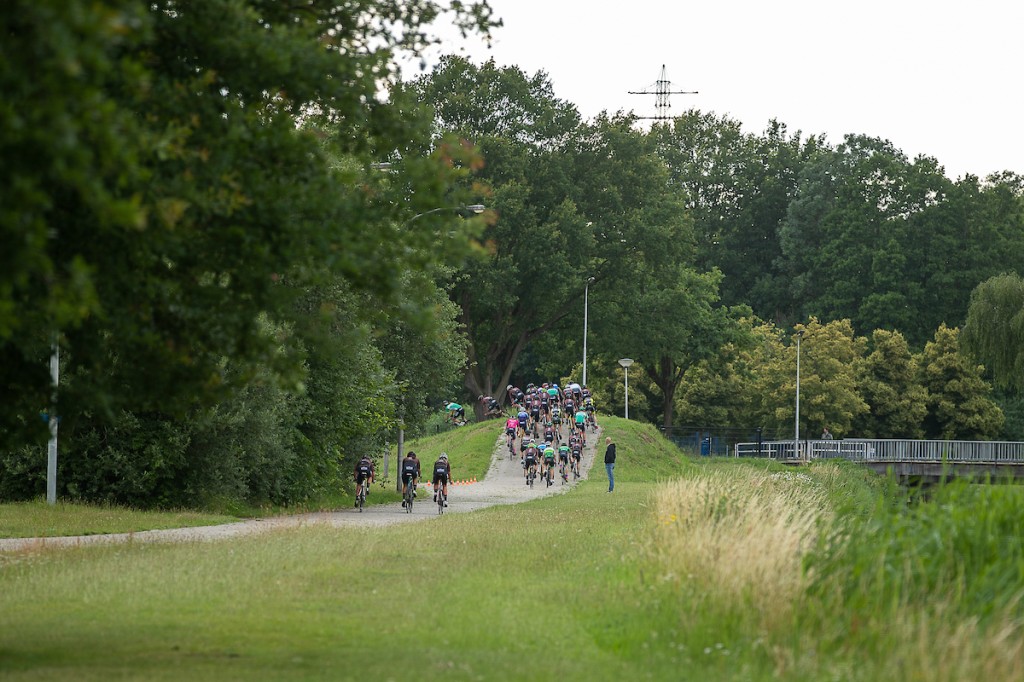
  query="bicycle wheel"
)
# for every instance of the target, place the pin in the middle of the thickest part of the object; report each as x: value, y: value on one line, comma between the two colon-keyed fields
x: 440, y: 502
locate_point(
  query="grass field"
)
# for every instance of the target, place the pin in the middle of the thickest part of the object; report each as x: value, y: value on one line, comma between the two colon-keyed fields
x: 38, y: 519
x: 691, y: 570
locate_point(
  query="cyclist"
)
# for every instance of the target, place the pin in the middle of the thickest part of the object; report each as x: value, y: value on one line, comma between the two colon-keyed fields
x: 577, y: 392
x: 569, y: 407
x: 556, y: 420
x: 534, y: 413
x: 456, y: 413
x: 515, y: 395
x: 511, y: 428
x: 554, y: 395
x: 563, y: 461
x: 549, y: 432
x: 442, y: 474
x: 529, y: 462
x: 549, y: 464
x: 363, y: 475
x: 523, y: 418
x: 491, y: 406
x: 410, y: 474
x: 588, y: 407
x: 577, y: 453
x: 581, y: 424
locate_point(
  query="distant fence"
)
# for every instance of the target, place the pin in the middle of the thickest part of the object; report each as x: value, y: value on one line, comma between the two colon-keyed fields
x: 872, y: 450
x: 710, y: 441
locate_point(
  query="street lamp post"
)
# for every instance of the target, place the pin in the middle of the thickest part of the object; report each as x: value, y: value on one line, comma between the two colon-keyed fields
x: 586, y: 293
x: 796, y: 437
x: 475, y: 209
x: 626, y: 362
x: 54, y: 421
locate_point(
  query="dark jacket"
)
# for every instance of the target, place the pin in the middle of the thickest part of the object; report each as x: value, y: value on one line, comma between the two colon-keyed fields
x: 609, y: 454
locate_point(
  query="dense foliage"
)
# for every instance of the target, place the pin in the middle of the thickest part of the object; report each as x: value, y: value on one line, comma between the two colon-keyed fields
x: 190, y: 212
x: 194, y: 210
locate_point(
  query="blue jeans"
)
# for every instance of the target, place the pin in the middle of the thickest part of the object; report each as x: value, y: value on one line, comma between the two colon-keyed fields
x: 610, y: 468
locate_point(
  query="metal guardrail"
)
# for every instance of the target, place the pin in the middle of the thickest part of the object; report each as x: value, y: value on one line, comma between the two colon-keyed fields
x: 871, y: 450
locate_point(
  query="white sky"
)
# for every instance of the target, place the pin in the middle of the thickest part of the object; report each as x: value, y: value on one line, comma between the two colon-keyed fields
x: 934, y: 77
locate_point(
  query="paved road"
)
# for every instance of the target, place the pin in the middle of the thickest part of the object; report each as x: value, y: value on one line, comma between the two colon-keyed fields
x: 503, y: 484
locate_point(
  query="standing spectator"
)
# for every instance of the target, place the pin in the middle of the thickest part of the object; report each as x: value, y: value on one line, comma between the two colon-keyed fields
x: 826, y: 434
x: 609, y: 463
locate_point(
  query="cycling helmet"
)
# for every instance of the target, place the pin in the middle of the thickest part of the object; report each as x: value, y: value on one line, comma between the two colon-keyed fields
x: 509, y: 387
x: 444, y: 456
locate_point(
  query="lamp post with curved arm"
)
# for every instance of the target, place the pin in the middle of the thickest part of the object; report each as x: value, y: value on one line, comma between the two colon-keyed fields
x: 796, y: 437
x: 470, y: 209
x: 586, y: 293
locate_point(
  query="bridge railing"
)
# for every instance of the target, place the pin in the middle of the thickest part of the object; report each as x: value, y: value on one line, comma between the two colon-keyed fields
x: 879, y: 450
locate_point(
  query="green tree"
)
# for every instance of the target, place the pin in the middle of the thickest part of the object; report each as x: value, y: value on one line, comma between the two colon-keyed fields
x: 668, y: 320
x: 571, y: 200
x: 889, y: 385
x: 994, y: 331
x: 960, y: 406
x: 830, y: 359
x: 854, y: 239
x: 738, y: 188
x: 157, y: 189
x: 718, y: 392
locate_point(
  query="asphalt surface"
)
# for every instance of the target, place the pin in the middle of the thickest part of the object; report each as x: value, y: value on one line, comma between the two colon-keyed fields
x: 503, y: 484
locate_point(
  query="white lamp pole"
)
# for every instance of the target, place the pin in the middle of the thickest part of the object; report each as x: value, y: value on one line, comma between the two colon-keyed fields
x: 475, y: 209
x: 586, y: 302
x: 796, y: 438
x: 51, y: 449
x: 626, y: 362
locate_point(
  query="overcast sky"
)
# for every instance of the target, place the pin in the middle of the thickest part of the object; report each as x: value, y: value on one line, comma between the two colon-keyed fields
x: 934, y: 77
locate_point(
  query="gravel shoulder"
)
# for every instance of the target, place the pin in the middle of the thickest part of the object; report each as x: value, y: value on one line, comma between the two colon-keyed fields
x: 503, y: 484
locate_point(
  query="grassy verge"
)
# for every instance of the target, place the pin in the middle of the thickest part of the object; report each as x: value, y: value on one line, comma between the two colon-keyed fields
x: 38, y: 519
x: 469, y: 448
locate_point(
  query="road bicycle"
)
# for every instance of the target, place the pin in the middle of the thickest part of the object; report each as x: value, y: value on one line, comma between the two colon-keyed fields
x: 550, y: 476
x: 563, y: 473
x: 575, y: 469
x: 440, y: 500
x: 361, y: 497
x: 410, y: 493
x: 531, y: 476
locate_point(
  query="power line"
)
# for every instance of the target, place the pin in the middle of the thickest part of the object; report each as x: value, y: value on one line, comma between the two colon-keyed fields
x: 662, y: 88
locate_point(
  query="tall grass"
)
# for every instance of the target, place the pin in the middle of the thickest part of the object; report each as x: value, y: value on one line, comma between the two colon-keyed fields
x: 939, y: 580
x: 739, y: 535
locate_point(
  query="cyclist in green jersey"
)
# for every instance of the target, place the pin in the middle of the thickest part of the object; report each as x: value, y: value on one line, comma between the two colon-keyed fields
x: 548, y: 470
x: 581, y: 424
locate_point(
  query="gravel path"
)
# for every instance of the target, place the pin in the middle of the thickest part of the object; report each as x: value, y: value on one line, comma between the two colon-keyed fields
x: 503, y: 484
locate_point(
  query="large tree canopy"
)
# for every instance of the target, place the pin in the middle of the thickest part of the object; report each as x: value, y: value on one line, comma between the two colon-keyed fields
x: 572, y: 200
x: 157, y: 191
x: 994, y: 332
